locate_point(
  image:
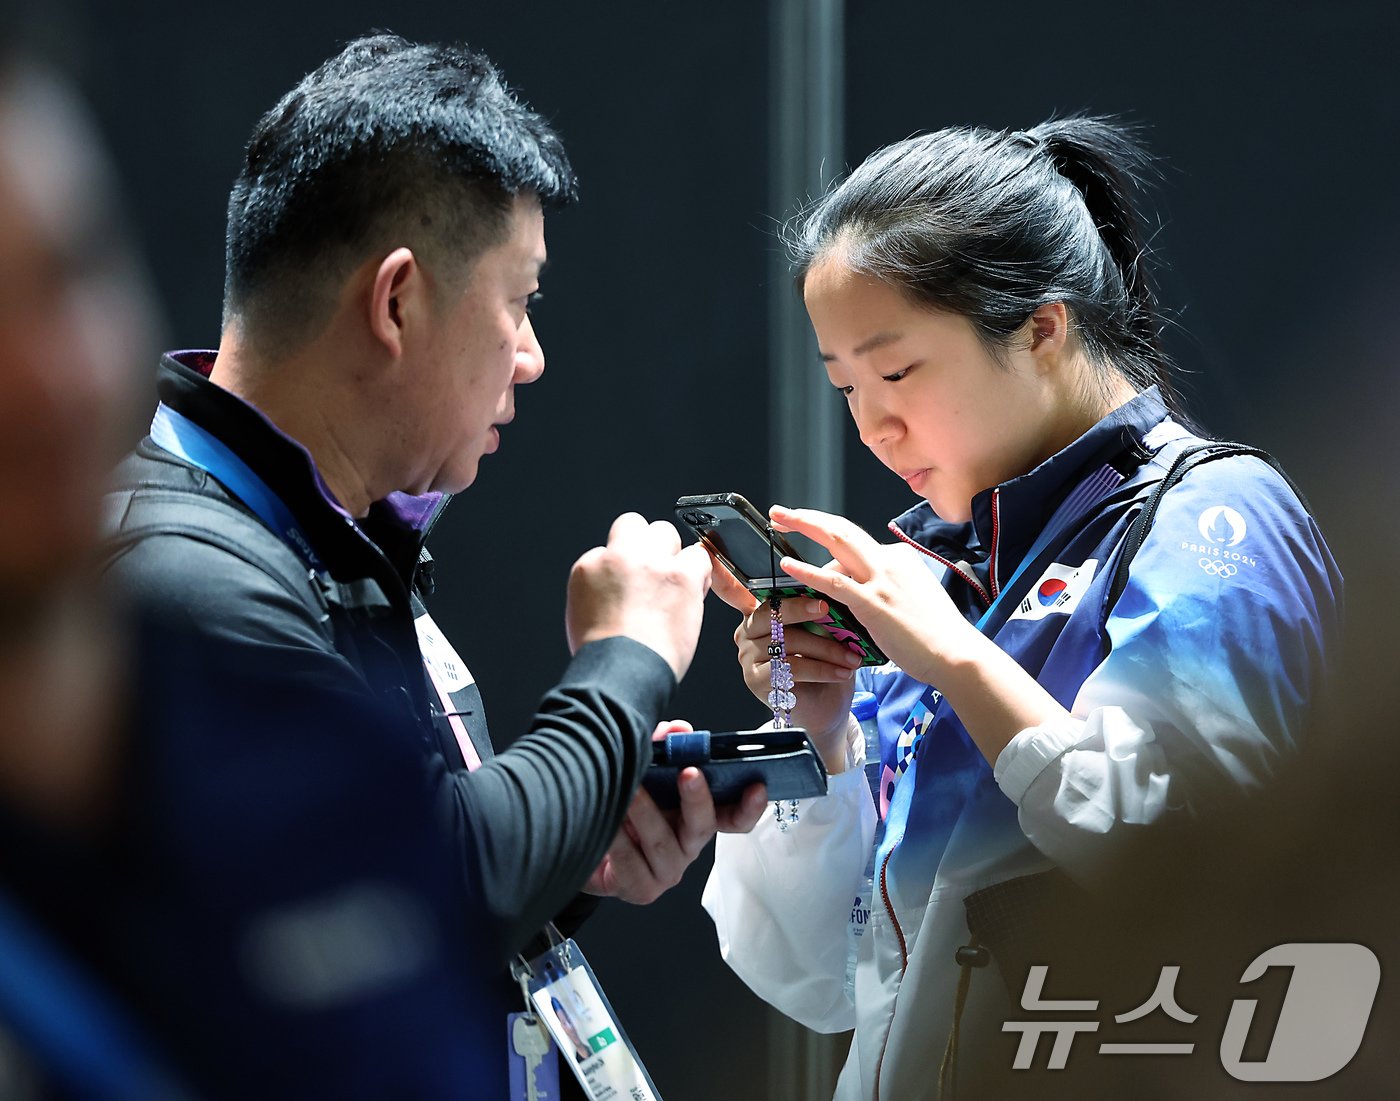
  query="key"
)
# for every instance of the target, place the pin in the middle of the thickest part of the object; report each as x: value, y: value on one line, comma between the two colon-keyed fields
x: 530, y: 1044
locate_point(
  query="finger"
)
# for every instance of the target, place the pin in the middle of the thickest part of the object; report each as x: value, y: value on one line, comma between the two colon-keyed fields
x: 808, y: 644
x: 602, y: 881
x: 628, y: 529
x: 794, y: 610
x: 656, y: 840
x: 744, y: 815
x: 798, y: 643
x: 625, y: 873
x: 800, y: 609
x: 695, y: 561
x: 671, y: 726
x: 730, y: 589
x: 697, y: 821
x: 804, y: 671
x: 816, y: 671
x: 832, y: 582
x: 848, y: 543
x: 664, y: 535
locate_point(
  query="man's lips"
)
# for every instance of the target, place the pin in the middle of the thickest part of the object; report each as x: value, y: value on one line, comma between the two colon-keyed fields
x: 916, y: 477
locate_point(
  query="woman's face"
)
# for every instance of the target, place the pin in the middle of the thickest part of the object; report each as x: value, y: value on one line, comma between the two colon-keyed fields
x: 927, y: 397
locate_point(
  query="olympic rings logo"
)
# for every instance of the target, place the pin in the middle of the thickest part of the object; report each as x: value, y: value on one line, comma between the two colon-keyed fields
x: 1218, y: 568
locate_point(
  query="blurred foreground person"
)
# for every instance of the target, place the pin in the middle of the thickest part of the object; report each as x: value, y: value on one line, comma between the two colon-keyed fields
x: 211, y: 885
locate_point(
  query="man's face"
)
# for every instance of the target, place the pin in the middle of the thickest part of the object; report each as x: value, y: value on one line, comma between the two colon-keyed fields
x: 481, y: 348
x: 72, y: 319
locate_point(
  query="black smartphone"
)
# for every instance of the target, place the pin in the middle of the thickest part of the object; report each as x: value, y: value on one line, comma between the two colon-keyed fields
x: 783, y: 759
x: 740, y: 537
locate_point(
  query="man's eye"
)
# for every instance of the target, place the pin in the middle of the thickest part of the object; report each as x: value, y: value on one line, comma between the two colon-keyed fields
x: 896, y: 376
x: 845, y: 391
x: 532, y: 301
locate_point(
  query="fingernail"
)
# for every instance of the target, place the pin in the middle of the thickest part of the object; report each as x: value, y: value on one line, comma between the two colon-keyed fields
x: 851, y: 659
x: 815, y: 607
x: 844, y: 674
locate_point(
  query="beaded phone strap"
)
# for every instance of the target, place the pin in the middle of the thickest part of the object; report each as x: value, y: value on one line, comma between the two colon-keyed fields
x: 780, y: 695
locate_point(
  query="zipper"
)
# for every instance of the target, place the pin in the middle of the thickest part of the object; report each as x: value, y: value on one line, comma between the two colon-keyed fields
x: 971, y: 581
x: 903, y: 954
x: 996, y: 531
x: 885, y: 896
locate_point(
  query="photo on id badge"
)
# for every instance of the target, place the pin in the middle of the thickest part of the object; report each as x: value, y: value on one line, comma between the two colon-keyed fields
x: 584, y: 1029
x: 566, y: 996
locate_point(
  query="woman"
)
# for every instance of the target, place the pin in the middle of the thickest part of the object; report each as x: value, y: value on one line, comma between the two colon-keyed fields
x: 980, y: 299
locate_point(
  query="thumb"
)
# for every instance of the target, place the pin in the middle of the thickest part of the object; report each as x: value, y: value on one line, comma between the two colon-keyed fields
x: 731, y: 590
x: 696, y: 562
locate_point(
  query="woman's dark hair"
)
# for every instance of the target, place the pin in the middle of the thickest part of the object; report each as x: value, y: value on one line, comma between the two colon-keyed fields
x: 994, y: 224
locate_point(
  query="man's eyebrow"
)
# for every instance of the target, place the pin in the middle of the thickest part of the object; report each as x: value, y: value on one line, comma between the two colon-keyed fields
x: 879, y: 340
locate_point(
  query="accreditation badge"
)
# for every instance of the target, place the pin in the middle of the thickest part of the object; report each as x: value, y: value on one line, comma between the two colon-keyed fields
x: 569, y: 1002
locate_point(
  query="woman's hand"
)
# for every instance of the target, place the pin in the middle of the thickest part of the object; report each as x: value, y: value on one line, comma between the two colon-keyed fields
x: 914, y: 621
x: 888, y: 586
x: 823, y: 670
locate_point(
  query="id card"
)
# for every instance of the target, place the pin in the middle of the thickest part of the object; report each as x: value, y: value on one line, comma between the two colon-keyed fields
x: 569, y: 1001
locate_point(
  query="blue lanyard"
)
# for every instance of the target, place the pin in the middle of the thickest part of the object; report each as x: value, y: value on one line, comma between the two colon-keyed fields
x: 1053, y: 529
x: 79, y: 1035
x: 182, y: 437
x: 1040, y: 544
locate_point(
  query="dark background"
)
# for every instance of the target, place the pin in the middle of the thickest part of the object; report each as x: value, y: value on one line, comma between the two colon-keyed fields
x: 1277, y: 127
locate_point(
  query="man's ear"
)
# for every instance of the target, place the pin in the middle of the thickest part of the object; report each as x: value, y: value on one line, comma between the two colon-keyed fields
x: 395, y: 299
x: 1049, y: 332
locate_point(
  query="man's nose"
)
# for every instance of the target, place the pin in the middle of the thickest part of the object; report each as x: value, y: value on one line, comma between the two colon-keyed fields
x: 529, y: 356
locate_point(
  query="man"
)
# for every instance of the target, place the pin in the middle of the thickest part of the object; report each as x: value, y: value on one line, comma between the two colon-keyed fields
x: 172, y: 923
x: 385, y: 237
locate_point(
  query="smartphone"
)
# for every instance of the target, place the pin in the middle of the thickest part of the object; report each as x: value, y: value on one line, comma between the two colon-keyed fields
x: 739, y: 536
x: 783, y: 759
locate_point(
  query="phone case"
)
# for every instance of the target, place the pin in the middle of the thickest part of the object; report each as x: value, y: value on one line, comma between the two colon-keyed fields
x: 784, y: 760
x: 839, y: 622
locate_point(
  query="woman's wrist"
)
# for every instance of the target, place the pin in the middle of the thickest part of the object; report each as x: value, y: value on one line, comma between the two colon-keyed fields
x: 834, y: 745
x: 993, y: 696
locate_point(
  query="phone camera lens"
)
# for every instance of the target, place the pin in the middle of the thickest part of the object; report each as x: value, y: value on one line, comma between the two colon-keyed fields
x: 699, y: 519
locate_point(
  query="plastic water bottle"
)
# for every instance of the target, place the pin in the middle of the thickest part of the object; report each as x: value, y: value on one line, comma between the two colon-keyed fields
x: 864, y: 708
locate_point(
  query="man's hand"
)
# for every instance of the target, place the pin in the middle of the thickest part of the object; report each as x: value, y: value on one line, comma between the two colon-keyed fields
x: 642, y: 585
x: 654, y: 847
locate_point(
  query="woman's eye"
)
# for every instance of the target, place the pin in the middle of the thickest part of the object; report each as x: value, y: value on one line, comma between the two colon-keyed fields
x: 845, y: 391
x: 533, y: 300
x: 896, y: 376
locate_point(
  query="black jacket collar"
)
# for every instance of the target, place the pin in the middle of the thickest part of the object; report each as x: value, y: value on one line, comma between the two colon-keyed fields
x: 397, y: 526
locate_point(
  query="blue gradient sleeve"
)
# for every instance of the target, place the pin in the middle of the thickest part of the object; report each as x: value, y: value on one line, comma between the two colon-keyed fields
x: 1218, y: 662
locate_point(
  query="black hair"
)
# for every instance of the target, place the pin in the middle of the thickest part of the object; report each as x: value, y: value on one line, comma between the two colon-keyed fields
x: 387, y: 143
x: 994, y: 224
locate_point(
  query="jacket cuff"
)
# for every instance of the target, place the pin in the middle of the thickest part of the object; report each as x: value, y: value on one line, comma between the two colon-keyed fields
x: 632, y: 673
x: 1032, y: 751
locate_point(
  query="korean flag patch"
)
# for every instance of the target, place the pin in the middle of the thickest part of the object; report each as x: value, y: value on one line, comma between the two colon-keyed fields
x: 1057, y: 592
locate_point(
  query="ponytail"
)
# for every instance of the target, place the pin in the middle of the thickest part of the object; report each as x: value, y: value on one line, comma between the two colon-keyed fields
x: 1106, y: 165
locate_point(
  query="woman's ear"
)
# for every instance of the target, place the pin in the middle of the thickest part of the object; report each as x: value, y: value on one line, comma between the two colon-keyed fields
x: 1049, y: 333
x: 394, y: 299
